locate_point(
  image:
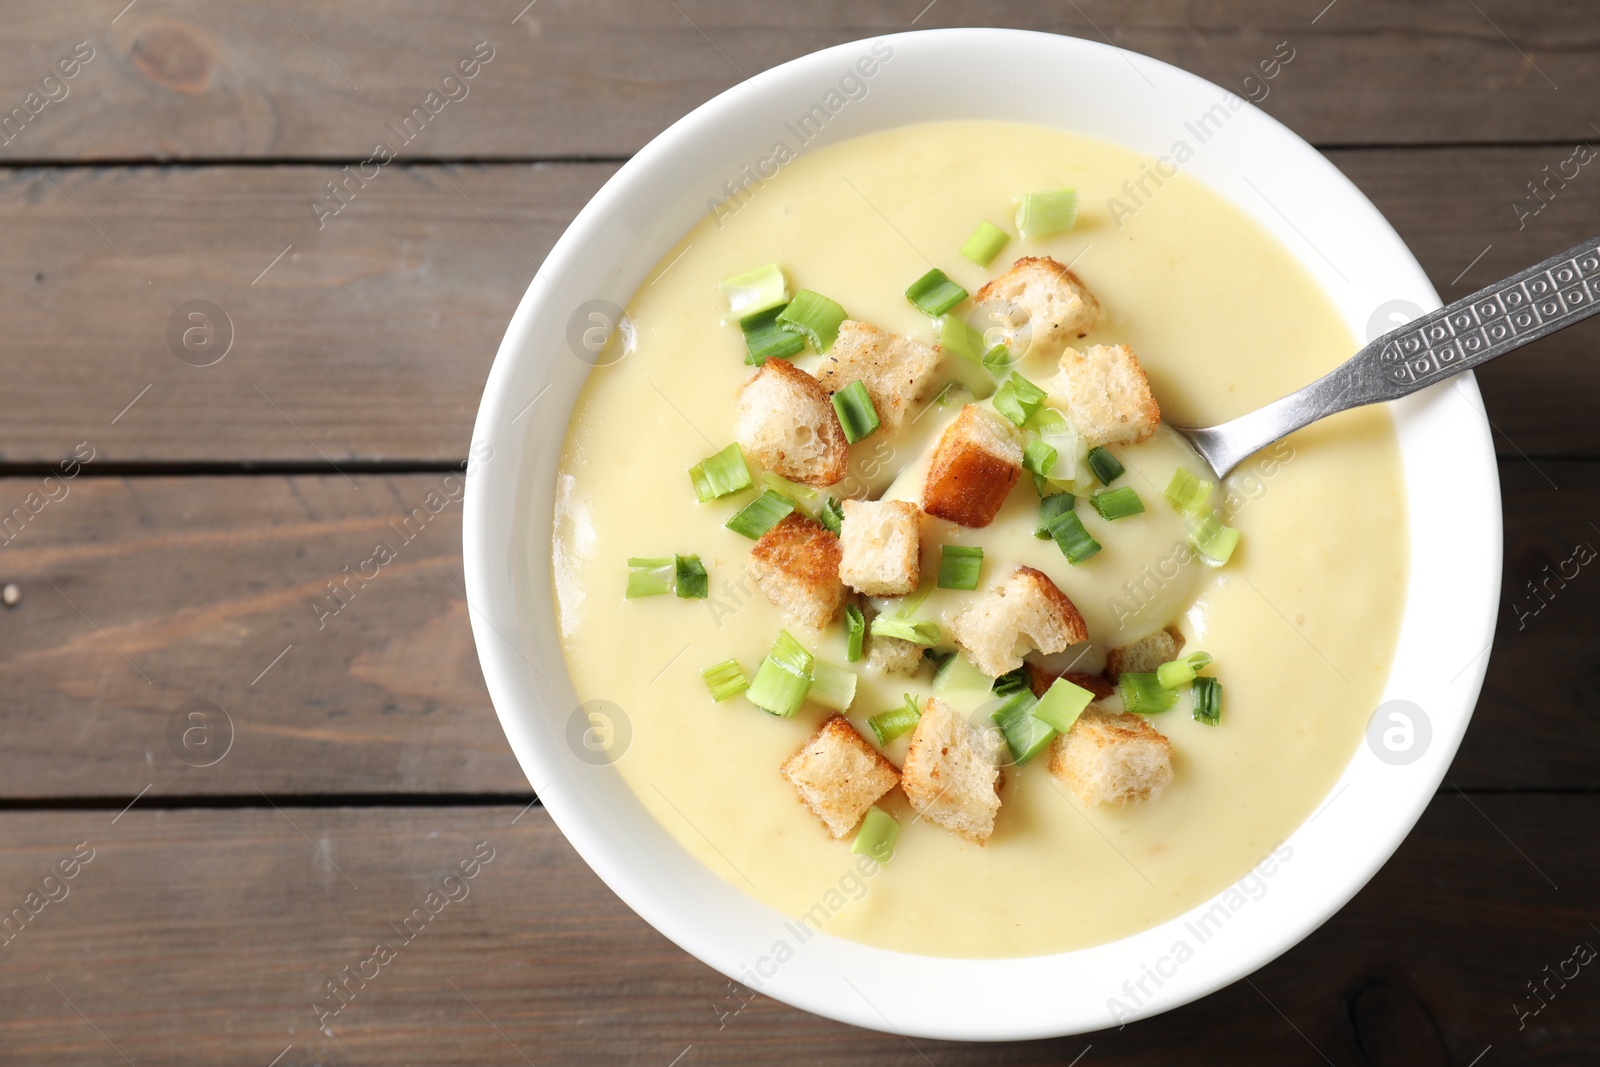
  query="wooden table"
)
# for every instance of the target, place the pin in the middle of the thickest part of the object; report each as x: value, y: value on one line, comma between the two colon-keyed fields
x: 250, y: 797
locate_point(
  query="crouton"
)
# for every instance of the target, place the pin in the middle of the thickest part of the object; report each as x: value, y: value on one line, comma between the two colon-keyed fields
x: 1107, y: 758
x: 839, y: 776
x: 1145, y: 654
x: 1027, y: 606
x: 787, y: 422
x: 894, y: 656
x: 952, y: 772
x: 895, y: 370
x: 1108, y: 396
x: 1040, y: 302
x: 796, y: 564
x: 976, y: 462
x: 1040, y: 680
x: 881, y: 542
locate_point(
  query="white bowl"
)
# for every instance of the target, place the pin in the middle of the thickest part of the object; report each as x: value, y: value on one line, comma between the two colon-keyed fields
x: 1269, y: 173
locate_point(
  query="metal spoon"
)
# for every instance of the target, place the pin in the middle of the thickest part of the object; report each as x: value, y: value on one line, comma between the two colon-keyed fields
x: 1540, y: 300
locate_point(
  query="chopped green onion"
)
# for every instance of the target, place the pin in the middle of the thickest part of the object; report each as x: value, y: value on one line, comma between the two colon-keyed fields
x: 938, y: 659
x: 784, y: 677
x: 725, y: 679
x: 957, y: 335
x: 857, y: 625
x: 720, y: 474
x: 1024, y: 734
x: 1075, y: 542
x: 998, y: 362
x: 1018, y: 399
x: 1207, y: 694
x: 831, y: 515
x: 1011, y: 682
x: 764, y: 339
x: 1042, y: 214
x: 1061, y: 705
x: 1215, y: 541
x: 959, y: 566
x: 832, y: 686
x: 877, y: 836
x: 761, y: 514
x: 1188, y: 494
x: 923, y: 633
x: 1181, y: 672
x: 856, y: 414
x: 1039, y: 459
x: 1117, y: 503
x: 649, y: 577
x: 1052, y: 508
x: 962, y: 686
x: 691, y: 580
x: 1106, y: 466
x: 934, y: 293
x: 985, y: 243
x: 756, y: 290
x: 891, y: 724
x: 1142, y: 694
x: 815, y: 316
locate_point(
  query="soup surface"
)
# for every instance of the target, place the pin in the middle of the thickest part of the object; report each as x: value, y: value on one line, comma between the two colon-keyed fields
x: 1302, y: 621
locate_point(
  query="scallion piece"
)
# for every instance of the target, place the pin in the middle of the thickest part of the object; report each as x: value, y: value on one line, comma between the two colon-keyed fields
x: 1207, y: 695
x: 1180, y: 672
x: 761, y: 514
x: 725, y: 679
x: 1142, y: 694
x: 934, y: 293
x: 720, y: 474
x: 691, y: 581
x: 957, y: 335
x: 756, y: 290
x: 985, y: 243
x: 1106, y: 466
x: 1011, y: 682
x: 784, y: 677
x: 1042, y: 214
x: 764, y: 339
x: 1025, y: 735
x: 1061, y: 705
x: 814, y: 316
x: 1039, y: 459
x: 962, y: 686
x: 649, y: 577
x: 831, y: 515
x: 1215, y: 541
x: 1018, y: 399
x: 832, y: 686
x: 924, y: 633
x: 1188, y: 494
x: 856, y: 414
x: 1052, y: 508
x: 998, y: 362
x: 891, y: 724
x: 1075, y: 542
x: 959, y: 566
x: 856, y: 623
x: 877, y: 836
x: 1117, y: 503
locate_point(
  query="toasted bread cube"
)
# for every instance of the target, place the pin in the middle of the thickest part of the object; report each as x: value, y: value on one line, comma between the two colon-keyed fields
x: 839, y: 776
x: 952, y: 772
x: 881, y: 542
x: 787, y: 422
x: 1145, y: 654
x: 1040, y: 680
x: 976, y: 462
x: 1026, y: 607
x: 894, y: 656
x: 896, y: 370
x: 1111, y: 759
x: 1108, y: 396
x: 796, y: 564
x: 1040, y: 302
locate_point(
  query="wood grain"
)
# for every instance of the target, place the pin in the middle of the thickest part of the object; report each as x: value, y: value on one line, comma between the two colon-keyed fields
x: 203, y: 937
x: 181, y: 79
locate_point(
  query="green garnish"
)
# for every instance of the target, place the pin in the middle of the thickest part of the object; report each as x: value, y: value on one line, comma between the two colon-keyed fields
x: 649, y: 577
x: 957, y: 335
x: 857, y: 626
x: 1011, y: 682
x: 877, y: 836
x: 934, y: 293
x: 1188, y: 494
x: 1117, y: 503
x: 1052, y: 508
x: 1018, y: 399
x: 1061, y: 705
x: 1107, y: 467
x: 1025, y: 735
x: 1039, y: 459
x: 756, y: 290
x: 1042, y: 214
x: 1207, y: 693
x: 856, y: 414
x: 761, y: 514
x: 815, y: 316
x: 720, y: 474
x: 784, y: 677
x: 764, y: 339
x: 691, y: 580
x: 985, y: 243
x: 959, y: 566
x: 725, y: 679
x: 924, y: 633
x: 891, y: 724
x: 1142, y: 694
x: 831, y: 515
x: 1180, y: 672
x: 962, y: 686
x: 998, y: 362
x: 1075, y: 542
x: 1215, y: 541
x: 832, y: 686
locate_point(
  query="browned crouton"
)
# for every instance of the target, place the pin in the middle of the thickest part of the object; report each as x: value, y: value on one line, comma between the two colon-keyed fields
x: 881, y: 541
x: 839, y: 776
x: 975, y: 464
x: 1027, y: 606
x: 1145, y: 654
x: 1108, y: 396
x: 952, y: 772
x: 1040, y: 302
x: 895, y: 370
x: 1108, y: 758
x: 796, y: 564
x: 787, y: 422
x: 1040, y: 680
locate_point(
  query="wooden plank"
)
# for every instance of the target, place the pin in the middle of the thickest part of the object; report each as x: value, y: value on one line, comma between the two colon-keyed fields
x: 201, y: 583
x: 570, y: 79
x: 205, y: 936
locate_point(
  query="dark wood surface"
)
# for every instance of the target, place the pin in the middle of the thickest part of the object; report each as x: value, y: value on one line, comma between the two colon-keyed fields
x: 179, y: 570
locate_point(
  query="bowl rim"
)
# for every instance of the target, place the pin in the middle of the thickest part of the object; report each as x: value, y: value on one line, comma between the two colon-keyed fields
x: 1448, y: 462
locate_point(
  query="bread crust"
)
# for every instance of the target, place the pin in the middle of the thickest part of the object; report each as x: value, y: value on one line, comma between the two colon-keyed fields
x: 838, y: 775
x: 968, y: 481
x: 778, y: 399
x: 796, y: 564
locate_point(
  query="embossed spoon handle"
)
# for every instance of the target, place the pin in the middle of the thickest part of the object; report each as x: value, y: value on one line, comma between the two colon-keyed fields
x: 1546, y: 297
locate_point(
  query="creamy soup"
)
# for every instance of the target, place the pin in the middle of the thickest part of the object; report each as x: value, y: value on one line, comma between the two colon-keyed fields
x: 1301, y: 622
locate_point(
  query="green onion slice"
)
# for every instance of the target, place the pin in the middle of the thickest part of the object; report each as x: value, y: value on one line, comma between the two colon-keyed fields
x: 1018, y: 399
x: 957, y: 335
x: 1042, y: 214
x: 856, y: 414
x: 998, y: 362
x: 891, y: 724
x: 725, y: 679
x: 1189, y: 494
x: 691, y: 581
x: 1207, y: 694
x: 831, y: 515
x: 1061, y: 705
x: 985, y: 243
x: 756, y: 290
x: 1052, y: 508
x: 1075, y: 542
x: 962, y: 686
x: 1011, y: 682
x: 959, y: 566
x: 814, y: 316
x: 784, y: 677
x: 719, y: 475
x: 1117, y: 503
x: 934, y: 293
x: 765, y: 339
x: 856, y: 623
x: 1039, y: 459
x: 1180, y: 672
x: 761, y: 514
x: 1106, y: 466
x: 1025, y: 735
x: 1142, y: 694
x: 924, y: 633
x: 877, y: 836
x: 832, y: 686
x: 1215, y: 541
x: 649, y: 577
